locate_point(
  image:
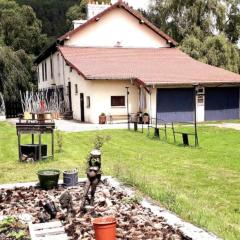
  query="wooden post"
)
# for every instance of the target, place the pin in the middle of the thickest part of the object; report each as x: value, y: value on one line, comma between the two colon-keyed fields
x: 40, y: 146
x: 52, y: 144
x: 32, y: 138
x: 19, y: 147
x: 165, y: 131
x: 174, y: 137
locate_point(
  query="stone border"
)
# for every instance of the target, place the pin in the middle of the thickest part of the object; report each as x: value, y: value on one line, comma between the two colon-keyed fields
x: 187, y: 229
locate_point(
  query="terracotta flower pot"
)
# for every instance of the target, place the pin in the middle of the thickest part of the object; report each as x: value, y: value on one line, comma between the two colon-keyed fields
x: 105, y: 228
x: 145, y: 119
x: 102, y: 119
x: 41, y: 117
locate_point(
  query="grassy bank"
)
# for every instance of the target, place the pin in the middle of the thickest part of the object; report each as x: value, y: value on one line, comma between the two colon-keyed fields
x: 201, y: 185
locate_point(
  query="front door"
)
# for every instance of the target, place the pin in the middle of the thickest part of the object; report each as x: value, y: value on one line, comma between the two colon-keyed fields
x: 82, y: 107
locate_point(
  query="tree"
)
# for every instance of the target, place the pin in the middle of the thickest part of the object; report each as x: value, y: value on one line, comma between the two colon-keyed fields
x: 214, y: 50
x: 181, y: 17
x: 20, y: 28
x: 52, y: 13
x: 232, y: 24
x: 77, y: 11
x: 15, y: 73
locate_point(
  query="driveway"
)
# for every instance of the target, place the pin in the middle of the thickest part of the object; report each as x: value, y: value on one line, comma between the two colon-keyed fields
x: 74, y: 126
x: 235, y: 126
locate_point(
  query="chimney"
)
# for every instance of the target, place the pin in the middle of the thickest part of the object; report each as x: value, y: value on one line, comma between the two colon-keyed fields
x: 77, y: 23
x: 94, y: 8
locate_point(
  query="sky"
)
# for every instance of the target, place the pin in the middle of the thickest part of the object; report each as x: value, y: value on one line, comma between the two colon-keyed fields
x: 137, y: 3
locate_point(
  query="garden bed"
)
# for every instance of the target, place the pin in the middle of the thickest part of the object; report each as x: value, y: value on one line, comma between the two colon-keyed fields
x: 133, y: 220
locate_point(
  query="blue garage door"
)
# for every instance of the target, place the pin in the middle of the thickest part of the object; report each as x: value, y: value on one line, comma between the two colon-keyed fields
x: 221, y: 103
x: 175, y: 105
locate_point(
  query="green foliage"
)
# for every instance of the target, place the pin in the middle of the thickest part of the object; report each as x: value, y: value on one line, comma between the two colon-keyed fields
x: 52, y: 13
x: 77, y: 11
x: 232, y: 25
x: 99, y: 141
x: 13, y: 229
x: 200, y: 184
x: 7, y: 222
x: 180, y: 18
x: 213, y: 50
x: 20, y: 28
x: 19, y: 235
x: 15, y: 72
x: 203, y: 28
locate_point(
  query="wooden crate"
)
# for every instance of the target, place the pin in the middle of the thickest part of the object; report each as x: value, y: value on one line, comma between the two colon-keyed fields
x: 47, y: 231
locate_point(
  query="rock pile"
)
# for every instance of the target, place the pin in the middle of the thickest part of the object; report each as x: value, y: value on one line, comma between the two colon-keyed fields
x: 133, y: 221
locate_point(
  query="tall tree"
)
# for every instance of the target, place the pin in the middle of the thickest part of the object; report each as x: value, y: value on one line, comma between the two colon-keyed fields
x: 77, y: 11
x: 232, y: 24
x: 214, y: 50
x: 20, y: 28
x: 15, y: 72
x: 182, y: 17
x: 52, y: 13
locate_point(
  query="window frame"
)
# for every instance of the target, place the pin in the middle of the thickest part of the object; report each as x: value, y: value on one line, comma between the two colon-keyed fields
x: 88, y: 101
x: 118, y: 105
x: 76, y: 89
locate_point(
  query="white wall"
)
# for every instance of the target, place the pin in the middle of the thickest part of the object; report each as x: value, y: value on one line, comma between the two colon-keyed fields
x: 100, y: 92
x: 117, y: 26
x: 58, y: 72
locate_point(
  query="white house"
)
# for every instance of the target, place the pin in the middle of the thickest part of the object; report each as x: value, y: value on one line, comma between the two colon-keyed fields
x: 117, y: 48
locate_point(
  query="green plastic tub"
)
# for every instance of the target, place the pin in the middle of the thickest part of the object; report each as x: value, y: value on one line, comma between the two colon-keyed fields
x: 48, y: 178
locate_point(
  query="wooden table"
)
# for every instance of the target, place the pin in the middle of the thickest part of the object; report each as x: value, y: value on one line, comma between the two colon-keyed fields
x: 34, y: 127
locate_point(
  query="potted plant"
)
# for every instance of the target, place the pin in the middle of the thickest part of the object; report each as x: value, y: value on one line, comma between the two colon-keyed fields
x: 102, y: 118
x: 145, y: 118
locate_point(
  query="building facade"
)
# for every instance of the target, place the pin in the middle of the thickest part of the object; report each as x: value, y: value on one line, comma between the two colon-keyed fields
x: 117, y: 49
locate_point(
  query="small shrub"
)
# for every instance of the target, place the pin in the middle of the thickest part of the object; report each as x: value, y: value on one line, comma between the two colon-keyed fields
x: 100, y: 140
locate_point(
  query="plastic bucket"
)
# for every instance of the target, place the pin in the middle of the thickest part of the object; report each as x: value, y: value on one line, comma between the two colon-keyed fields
x: 70, y: 178
x: 105, y: 228
x: 48, y: 178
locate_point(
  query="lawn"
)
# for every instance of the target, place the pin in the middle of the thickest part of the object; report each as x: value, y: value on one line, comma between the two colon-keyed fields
x: 199, y: 184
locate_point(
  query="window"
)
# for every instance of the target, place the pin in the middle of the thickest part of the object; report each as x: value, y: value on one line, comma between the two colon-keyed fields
x: 51, y: 66
x: 70, y: 69
x: 118, y: 101
x: 45, y: 65
x: 43, y: 75
x: 38, y: 77
x: 76, y: 89
x: 88, y: 102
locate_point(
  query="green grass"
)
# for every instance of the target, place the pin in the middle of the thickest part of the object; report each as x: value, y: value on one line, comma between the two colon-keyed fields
x: 199, y: 184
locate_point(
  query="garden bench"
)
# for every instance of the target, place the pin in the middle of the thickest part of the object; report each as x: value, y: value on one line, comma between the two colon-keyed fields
x: 112, y: 118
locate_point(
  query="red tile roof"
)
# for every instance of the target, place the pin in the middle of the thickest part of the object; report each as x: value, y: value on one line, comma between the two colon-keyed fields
x: 123, y: 5
x: 151, y: 66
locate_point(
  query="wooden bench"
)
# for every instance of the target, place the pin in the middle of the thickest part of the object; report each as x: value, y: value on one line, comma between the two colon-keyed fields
x: 112, y: 118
